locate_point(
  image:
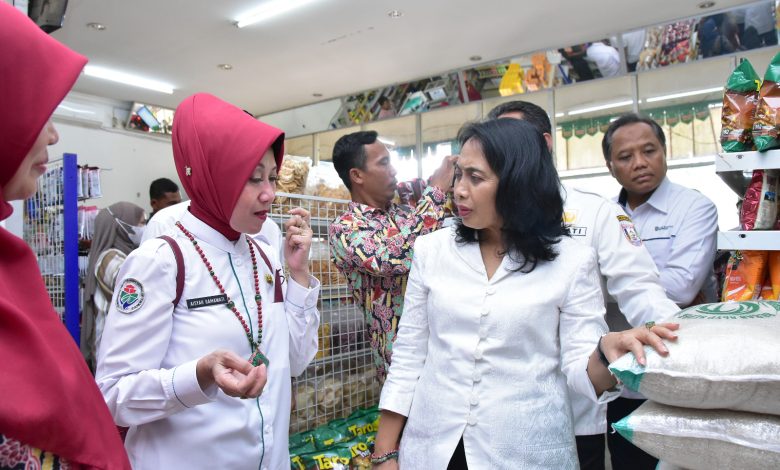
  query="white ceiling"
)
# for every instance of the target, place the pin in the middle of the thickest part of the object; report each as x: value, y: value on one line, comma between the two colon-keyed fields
x: 332, y: 47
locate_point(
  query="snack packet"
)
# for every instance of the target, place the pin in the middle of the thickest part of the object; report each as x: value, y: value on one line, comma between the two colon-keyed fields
x: 759, y: 206
x: 745, y: 273
x: 739, y: 109
x: 767, y: 120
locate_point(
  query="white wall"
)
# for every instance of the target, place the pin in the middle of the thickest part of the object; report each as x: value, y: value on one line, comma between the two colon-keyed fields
x: 304, y: 120
x: 130, y: 162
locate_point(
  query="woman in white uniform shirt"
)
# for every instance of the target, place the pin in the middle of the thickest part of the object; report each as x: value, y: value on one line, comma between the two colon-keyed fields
x: 179, y: 376
x: 486, y: 347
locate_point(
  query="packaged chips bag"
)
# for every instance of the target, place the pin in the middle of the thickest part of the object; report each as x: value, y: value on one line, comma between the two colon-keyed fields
x: 759, y: 206
x: 745, y: 274
x: 767, y: 120
x: 739, y: 109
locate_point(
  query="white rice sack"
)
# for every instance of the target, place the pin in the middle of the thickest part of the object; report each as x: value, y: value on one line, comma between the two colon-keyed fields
x: 727, y: 355
x: 704, y: 439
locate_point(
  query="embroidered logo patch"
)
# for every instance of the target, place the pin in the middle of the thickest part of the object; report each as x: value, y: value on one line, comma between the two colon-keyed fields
x: 131, y: 296
x: 629, y: 230
x: 570, y: 216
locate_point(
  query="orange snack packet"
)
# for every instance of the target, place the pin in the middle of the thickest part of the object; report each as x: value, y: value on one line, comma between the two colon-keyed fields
x: 745, y: 273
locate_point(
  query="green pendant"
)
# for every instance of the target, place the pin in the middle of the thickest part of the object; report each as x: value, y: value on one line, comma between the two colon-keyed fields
x: 258, y: 357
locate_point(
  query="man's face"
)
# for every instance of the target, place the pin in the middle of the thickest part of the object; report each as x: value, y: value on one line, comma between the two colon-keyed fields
x: 167, y: 199
x: 378, y: 176
x: 637, y: 159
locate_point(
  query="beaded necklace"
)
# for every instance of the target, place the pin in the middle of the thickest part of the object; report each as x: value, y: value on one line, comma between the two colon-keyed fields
x: 257, y: 357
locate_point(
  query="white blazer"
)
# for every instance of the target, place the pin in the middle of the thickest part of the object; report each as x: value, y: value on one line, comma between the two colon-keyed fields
x: 489, y: 360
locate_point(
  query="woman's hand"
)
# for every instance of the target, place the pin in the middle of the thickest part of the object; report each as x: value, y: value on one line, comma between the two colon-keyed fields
x: 298, y: 236
x: 615, y: 345
x: 391, y: 464
x: 233, y: 374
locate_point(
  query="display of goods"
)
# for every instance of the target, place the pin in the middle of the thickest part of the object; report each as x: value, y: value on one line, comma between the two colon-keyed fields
x: 745, y: 274
x: 292, y: 175
x: 726, y: 356
x: 323, y: 337
x: 347, y: 337
x: 704, y: 439
x: 739, y: 109
x: 759, y: 206
x: 324, y: 181
x: 326, y: 271
x: 773, y: 279
x: 329, y: 393
x: 668, y: 44
x: 767, y: 122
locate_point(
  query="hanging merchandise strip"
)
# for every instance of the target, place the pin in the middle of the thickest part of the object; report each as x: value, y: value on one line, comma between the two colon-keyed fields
x: 257, y: 356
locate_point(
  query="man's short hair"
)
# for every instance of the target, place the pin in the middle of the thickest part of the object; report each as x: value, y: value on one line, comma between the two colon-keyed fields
x: 625, y: 120
x: 531, y: 113
x: 160, y: 186
x: 382, y: 100
x: 349, y: 152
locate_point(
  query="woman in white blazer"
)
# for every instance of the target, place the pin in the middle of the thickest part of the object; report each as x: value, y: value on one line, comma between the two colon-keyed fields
x: 501, y: 311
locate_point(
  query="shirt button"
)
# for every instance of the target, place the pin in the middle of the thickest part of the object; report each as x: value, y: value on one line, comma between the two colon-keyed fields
x: 490, y: 290
x: 238, y: 262
x: 476, y: 376
x: 484, y: 311
x: 472, y: 421
x: 267, y: 429
x: 474, y: 400
x: 478, y: 354
x: 483, y: 333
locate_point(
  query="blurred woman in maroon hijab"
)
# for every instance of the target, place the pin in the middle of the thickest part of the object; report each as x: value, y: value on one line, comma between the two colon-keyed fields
x: 51, y: 412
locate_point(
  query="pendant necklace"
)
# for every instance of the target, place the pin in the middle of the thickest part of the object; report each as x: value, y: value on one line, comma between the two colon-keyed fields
x: 257, y: 357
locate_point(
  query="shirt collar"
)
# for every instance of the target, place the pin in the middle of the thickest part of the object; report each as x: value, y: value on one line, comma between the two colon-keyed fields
x: 365, y: 209
x: 658, y: 200
x: 205, y: 233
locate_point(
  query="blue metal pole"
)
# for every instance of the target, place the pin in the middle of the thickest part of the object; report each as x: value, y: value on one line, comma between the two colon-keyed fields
x: 71, y: 247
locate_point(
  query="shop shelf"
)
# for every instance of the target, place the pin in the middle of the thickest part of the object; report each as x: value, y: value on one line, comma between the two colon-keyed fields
x: 747, y: 161
x: 752, y: 240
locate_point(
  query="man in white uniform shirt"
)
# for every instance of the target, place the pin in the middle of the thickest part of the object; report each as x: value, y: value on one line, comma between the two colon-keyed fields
x: 677, y: 225
x: 628, y: 276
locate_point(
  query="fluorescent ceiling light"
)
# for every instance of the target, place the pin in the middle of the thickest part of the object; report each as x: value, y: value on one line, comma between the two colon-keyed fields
x: 268, y: 10
x: 386, y: 141
x: 703, y: 91
x: 600, y: 107
x: 559, y: 114
x: 127, y: 79
x: 74, y: 110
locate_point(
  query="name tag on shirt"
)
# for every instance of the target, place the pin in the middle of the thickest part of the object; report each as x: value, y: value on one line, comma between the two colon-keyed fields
x: 206, y: 301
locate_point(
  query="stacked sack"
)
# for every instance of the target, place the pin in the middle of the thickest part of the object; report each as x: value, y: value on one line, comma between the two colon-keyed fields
x: 343, y: 444
x: 714, y: 401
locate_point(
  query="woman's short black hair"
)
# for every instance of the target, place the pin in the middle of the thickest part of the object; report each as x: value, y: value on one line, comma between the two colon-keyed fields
x: 528, y: 197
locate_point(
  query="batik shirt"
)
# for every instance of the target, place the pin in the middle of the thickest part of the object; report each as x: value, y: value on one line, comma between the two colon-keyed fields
x: 17, y: 456
x: 373, y: 248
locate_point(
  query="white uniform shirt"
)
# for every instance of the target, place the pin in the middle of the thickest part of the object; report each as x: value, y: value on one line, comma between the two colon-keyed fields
x: 489, y: 360
x: 679, y: 227
x: 628, y: 277
x: 606, y: 58
x: 147, y: 359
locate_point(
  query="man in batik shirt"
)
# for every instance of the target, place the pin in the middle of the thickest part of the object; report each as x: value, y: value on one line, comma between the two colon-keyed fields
x: 372, y: 241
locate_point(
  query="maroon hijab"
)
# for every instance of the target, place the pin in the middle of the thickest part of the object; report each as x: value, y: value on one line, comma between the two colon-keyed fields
x: 48, y: 397
x: 216, y: 147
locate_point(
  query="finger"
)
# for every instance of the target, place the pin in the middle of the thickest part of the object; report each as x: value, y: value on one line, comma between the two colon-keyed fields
x: 258, y: 378
x: 233, y: 361
x: 670, y: 326
x: 302, y: 213
x: 652, y: 339
x: 300, y: 241
x: 636, y: 347
x: 664, y: 332
x: 229, y: 384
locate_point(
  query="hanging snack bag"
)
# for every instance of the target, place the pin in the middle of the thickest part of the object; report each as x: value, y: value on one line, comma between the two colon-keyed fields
x: 771, y: 290
x: 739, y: 109
x: 767, y: 121
x: 759, y: 207
x: 745, y: 272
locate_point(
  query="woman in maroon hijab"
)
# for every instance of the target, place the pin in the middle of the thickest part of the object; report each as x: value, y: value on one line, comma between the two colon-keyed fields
x: 51, y: 413
x: 203, y: 381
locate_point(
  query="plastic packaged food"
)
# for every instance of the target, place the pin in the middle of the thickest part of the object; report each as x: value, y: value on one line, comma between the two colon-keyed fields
x: 767, y: 121
x: 759, y: 206
x: 745, y: 273
x: 739, y: 109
